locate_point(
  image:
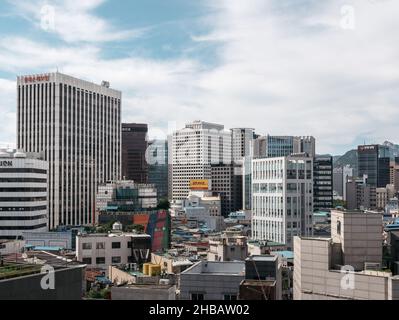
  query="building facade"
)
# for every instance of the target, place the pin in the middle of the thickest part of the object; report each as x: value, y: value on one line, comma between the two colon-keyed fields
x: 374, y: 162
x: 134, y: 148
x: 242, y: 143
x: 158, y: 169
x: 323, y: 183
x: 23, y: 194
x: 282, y: 198
x: 77, y: 126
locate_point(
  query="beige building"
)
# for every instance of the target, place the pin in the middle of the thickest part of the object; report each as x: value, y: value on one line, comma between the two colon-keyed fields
x: 383, y: 195
x: 346, y: 266
x: 228, y: 248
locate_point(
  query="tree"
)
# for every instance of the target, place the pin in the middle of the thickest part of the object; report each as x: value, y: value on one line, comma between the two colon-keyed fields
x: 135, y: 227
x: 164, y: 204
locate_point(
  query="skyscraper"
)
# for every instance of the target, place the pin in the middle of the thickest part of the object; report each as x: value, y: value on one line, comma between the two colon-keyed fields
x: 282, y: 199
x: 158, y: 171
x: 242, y: 142
x: 374, y: 161
x: 77, y: 126
x: 194, y: 150
x: 323, y: 183
x: 134, y: 148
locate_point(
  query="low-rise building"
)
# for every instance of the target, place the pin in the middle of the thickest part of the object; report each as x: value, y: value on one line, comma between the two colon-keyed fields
x: 228, y: 248
x: 212, y: 281
x: 116, y: 248
x: 347, y: 266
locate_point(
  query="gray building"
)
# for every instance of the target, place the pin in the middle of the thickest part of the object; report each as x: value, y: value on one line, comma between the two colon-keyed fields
x: 323, y: 183
x: 374, y: 162
x: 360, y: 195
x: 158, y: 168
x: 77, y: 126
x: 212, y: 281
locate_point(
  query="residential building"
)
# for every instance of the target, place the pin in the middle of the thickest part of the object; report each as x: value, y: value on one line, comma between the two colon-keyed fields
x: 158, y: 169
x: 77, y: 126
x: 263, y: 279
x: 360, y: 194
x: 115, y: 248
x: 374, y: 161
x: 347, y: 265
x: 282, y: 199
x: 134, y: 148
x: 323, y: 183
x: 212, y: 281
x: 228, y: 248
x: 23, y: 194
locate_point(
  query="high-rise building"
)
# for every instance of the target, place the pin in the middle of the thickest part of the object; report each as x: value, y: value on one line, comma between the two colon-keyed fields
x: 282, y: 199
x: 340, y: 178
x: 77, y: 126
x: 374, y: 161
x: 242, y: 143
x: 323, y: 183
x: 158, y: 168
x: 282, y: 146
x: 194, y: 149
x: 23, y: 194
x: 394, y: 173
x: 134, y: 148
x: 360, y: 194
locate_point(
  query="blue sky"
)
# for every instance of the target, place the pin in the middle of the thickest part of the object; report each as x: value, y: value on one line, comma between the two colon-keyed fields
x: 305, y: 67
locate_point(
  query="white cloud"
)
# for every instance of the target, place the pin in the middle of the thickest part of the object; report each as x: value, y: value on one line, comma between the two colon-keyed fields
x: 72, y: 20
x: 283, y: 68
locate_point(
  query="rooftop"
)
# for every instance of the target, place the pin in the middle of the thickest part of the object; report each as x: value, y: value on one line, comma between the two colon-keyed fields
x: 217, y: 268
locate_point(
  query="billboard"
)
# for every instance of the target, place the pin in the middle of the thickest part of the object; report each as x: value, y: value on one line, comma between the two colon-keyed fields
x: 202, y: 185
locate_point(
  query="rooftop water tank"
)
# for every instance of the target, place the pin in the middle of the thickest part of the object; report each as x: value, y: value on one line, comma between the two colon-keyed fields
x: 117, y: 226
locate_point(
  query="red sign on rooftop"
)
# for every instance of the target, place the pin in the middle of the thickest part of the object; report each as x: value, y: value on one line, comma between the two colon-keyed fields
x: 39, y: 78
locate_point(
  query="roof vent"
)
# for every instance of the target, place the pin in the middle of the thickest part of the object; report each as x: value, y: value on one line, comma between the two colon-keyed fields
x: 105, y: 84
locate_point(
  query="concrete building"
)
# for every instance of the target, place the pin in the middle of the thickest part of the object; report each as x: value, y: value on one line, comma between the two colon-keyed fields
x: 60, y: 239
x: 137, y: 292
x: 282, y: 199
x: 77, y: 126
x: 228, y: 248
x: 360, y: 194
x: 203, y: 207
x: 116, y: 248
x: 340, y: 178
x: 212, y: 281
x: 383, y: 195
x: 345, y: 266
x: 158, y: 169
x: 129, y: 195
x: 134, y: 148
x: 263, y: 279
x: 323, y: 183
x: 23, y: 194
x: 242, y: 143
x: 394, y: 173
x: 194, y: 149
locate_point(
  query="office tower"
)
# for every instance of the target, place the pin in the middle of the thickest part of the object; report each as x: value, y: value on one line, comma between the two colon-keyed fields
x: 194, y: 150
x: 323, y: 183
x: 282, y: 146
x: 242, y: 143
x: 374, y: 161
x: 282, y: 199
x: 158, y: 166
x: 134, y: 148
x: 77, y: 125
x: 23, y: 194
x: 227, y: 182
x: 247, y: 183
x: 340, y: 178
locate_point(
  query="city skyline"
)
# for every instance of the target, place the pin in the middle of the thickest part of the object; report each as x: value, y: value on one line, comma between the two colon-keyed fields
x: 182, y: 61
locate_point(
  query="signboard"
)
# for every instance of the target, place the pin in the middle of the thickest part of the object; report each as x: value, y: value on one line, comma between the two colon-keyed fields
x: 6, y: 163
x: 202, y: 185
x: 38, y: 78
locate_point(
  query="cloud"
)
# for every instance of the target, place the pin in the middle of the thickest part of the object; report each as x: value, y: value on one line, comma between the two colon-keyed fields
x: 282, y: 67
x: 73, y: 21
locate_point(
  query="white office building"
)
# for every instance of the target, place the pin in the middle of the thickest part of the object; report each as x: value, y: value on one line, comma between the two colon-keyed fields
x: 77, y: 126
x: 194, y: 149
x: 242, y: 143
x: 282, y: 198
x: 23, y: 194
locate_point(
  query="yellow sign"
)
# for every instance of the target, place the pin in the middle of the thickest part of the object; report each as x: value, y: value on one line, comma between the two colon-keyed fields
x: 199, y: 185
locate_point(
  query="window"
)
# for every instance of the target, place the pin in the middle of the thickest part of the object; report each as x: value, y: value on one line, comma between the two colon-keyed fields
x: 86, y: 246
x: 116, y: 245
x: 230, y: 297
x: 100, y: 245
x: 86, y: 260
x: 197, y: 296
x: 100, y: 260
x: 116, y: 260
x: 339, y: 227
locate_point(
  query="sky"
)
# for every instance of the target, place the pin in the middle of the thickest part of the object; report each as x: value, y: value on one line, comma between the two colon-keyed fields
x: 283, y: 67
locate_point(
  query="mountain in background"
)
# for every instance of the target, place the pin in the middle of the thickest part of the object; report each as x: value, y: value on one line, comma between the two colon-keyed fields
x: 350, y: 158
